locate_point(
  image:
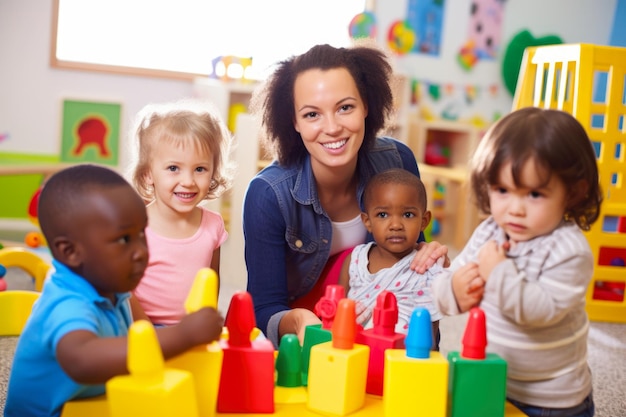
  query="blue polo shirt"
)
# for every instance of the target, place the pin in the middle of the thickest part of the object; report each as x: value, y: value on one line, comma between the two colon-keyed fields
x: 37, y: 385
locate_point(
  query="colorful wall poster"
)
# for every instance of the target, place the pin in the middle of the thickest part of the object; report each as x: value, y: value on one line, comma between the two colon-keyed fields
x: 426, y: 19
x: 484, y: 33
x: 91, y: 132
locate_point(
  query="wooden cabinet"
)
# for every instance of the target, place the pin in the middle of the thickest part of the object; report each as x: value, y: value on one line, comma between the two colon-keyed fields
x: 443, y: 149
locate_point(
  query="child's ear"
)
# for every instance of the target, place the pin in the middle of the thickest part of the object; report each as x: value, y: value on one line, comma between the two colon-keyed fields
x: 65, y: 250
x: 147, y: 177
x: 366, y: 221
x: 426, y: 218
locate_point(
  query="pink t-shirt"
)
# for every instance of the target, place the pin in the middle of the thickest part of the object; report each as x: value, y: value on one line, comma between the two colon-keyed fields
x: 173, y: 266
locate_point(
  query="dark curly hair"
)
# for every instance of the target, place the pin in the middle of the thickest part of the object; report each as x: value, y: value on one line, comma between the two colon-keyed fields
x: 557, y: 142
x: 367, y: 65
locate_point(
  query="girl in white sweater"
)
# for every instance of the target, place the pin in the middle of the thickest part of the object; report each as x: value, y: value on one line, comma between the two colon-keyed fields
x: 528, y: 264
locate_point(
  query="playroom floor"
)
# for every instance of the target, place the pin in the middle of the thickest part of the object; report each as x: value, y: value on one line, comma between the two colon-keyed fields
x: 607, y: 352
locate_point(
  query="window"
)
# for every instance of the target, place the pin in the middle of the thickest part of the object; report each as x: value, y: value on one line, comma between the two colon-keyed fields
x: 181, y: 38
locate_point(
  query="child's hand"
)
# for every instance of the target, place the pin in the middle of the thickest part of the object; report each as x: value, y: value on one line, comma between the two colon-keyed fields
x: 489, y: 256
x: 428, y: 254
x: 203, y: 326
x: 468, y: 287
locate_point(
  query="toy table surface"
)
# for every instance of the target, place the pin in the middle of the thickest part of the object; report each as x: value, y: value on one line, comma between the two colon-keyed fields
x: 373, y: 408
x: 97, y: 407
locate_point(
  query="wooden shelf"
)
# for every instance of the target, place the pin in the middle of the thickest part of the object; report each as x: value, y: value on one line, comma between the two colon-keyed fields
x: 453, y: 209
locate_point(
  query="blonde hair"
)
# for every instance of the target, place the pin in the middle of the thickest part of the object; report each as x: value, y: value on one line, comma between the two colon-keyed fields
x: 187, y: 123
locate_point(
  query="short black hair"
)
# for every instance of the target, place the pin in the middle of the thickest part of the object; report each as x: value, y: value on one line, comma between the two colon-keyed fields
x: 395, y: 176
x: 62, y: 195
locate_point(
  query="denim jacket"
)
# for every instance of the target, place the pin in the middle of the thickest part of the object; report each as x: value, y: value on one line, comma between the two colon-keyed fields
x: 288, y: 234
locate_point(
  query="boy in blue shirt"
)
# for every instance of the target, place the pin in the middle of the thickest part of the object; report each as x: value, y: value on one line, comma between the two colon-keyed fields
x: 75, y: 339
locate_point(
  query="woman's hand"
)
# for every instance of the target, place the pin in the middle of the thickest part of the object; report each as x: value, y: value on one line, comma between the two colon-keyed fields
x: 296, y: 321
x: 428, y: 254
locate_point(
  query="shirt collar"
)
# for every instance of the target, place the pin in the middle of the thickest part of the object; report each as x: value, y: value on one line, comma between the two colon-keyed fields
x: 65, y: 277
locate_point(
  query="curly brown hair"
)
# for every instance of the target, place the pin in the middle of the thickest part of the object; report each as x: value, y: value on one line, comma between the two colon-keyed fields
x: 367, y: 65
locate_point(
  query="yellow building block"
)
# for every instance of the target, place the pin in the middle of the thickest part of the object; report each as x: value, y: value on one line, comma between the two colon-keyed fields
x: 203, y: 362
x: 150, y: 389
x: 415, y: 386
x: 337, y: 378
x: 92, y: 407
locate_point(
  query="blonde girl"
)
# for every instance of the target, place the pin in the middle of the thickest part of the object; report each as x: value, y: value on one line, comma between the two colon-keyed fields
x: 182, y: 160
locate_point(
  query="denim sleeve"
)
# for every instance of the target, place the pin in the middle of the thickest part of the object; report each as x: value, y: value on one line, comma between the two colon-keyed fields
x: 265, y: 247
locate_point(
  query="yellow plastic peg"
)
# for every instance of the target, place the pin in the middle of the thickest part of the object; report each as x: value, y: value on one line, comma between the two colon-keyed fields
x: 150, y: 389
x: 203, y: 291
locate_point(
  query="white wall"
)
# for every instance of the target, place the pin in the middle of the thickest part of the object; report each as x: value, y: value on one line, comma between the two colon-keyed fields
x: 574, y: 21
x: 31, y: 93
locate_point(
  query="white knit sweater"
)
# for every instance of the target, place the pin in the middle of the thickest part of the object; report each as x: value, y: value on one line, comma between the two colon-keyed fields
x: 535, y: 308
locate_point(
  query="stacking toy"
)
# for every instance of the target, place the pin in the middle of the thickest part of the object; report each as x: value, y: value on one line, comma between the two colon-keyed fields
x: 477, y: 378
x: 326, y: 309
x: 150, y: 389
x: 247, y: 378
x: 416, y: 379
x: 380, y: 338
x: 203, y: 362
x: 338, y: 371
x: 289, y: 388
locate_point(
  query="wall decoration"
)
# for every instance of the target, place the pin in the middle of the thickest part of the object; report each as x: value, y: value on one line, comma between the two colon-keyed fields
x: 90, y: 132
x: 400, y: 37
x: 484, y: 33
x: 425, y: 17
x: 4, y: 136
x: 514, y: 53
x: 363, y: 25
x: 452, y: 101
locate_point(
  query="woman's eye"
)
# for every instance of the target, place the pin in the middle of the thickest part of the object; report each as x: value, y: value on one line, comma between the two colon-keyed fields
x: 346, y: 107
x: 310, y: 115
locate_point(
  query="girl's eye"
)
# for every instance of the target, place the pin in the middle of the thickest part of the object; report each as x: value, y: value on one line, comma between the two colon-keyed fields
x: 382, y: 215
x: 535, y: 194
x: 124, y: 239
x: 172, y: 168
x: 409, y: 215
x: 201, y: 169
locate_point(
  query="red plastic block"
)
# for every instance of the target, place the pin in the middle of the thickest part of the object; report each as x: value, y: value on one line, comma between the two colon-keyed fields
x: 380, y: 338
x: 247, y: 378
